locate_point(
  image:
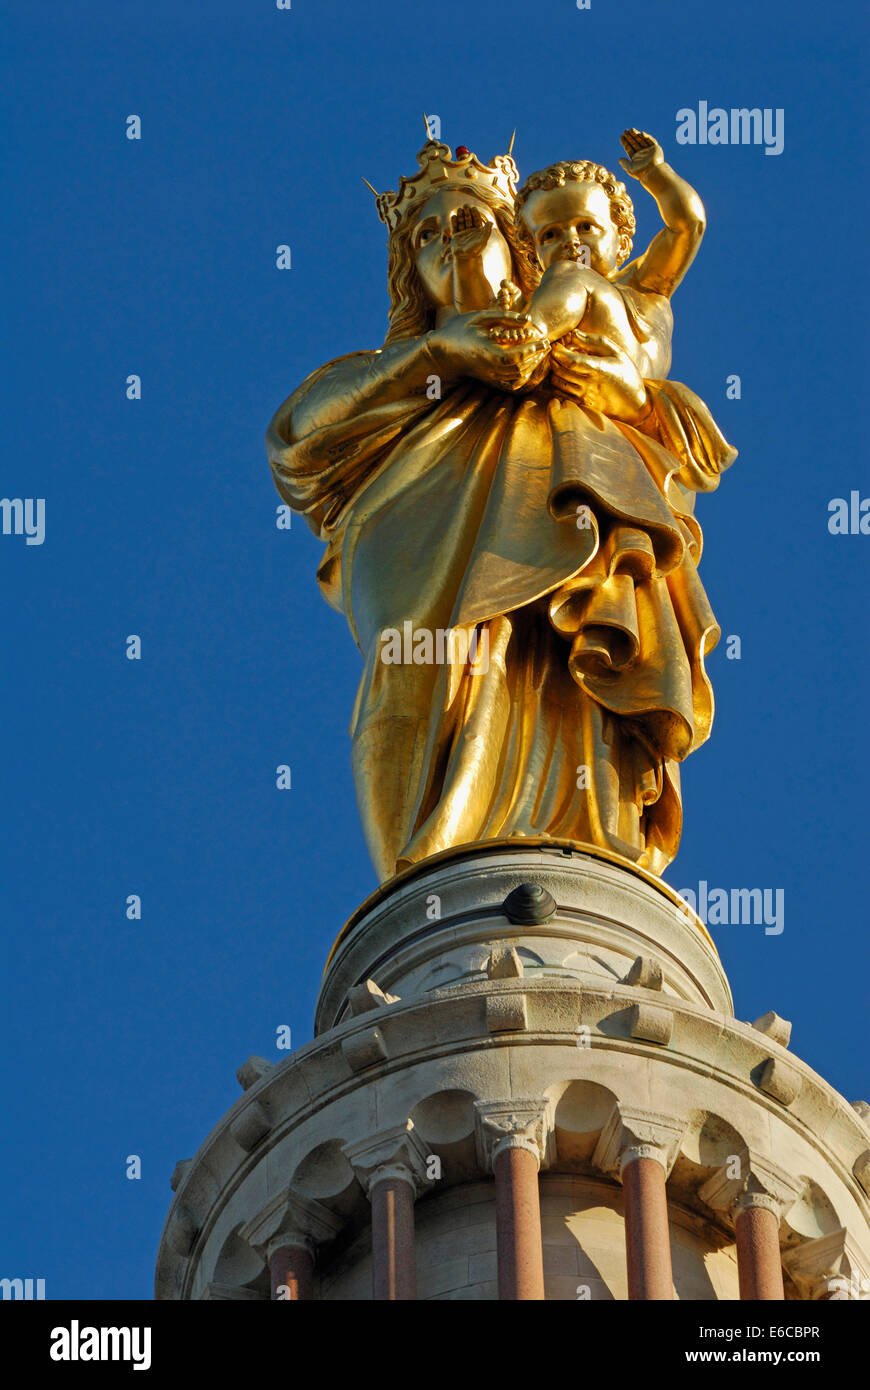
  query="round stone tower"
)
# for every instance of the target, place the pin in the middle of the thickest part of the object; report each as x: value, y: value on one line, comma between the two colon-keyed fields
x: 527, y: 1082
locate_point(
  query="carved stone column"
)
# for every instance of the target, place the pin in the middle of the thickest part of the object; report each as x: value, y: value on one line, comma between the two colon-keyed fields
x: 391, y: 1166
x: 291, y: 1273
x: 512, y: 1140
x: 640, y: 1146
x: 756, y: 1195
x: 286, y: 1234
x: 759, y: 1264
x: 756, y: 1226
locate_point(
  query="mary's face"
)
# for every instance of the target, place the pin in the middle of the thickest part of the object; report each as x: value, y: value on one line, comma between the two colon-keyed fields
x: 431, y: 245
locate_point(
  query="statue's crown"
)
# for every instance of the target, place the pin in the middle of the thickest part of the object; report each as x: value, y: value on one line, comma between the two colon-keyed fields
x: 439, y: 169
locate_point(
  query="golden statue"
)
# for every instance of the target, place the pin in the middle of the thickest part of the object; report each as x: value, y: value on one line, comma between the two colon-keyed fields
x: 513, y: 469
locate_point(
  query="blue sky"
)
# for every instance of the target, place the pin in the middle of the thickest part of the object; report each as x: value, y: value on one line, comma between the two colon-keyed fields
x: 157, y: 777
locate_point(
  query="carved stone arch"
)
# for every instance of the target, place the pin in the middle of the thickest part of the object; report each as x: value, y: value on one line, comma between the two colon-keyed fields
x: 812, y: 1215
x: 445, y: 1123
x: 710, y: 1143
x: 581, y: 1110
x: 239, y: 1271
x: 324, y: 1175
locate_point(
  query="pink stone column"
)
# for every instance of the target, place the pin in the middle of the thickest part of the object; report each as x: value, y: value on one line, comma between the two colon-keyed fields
x: 647, y: 1239
x: 759, y: 1263
x: 394, y: 1259
x: 518, y: 1222
x: 292, y: 1268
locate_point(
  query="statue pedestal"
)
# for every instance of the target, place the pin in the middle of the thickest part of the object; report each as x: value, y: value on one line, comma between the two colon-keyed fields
x: 587, y: 918
x: 526, y: 1081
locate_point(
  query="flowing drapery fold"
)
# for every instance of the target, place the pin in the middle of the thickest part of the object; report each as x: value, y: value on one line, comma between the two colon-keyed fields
x: 566, y: 542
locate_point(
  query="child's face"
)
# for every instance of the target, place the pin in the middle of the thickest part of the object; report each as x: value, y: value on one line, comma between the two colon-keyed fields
x: 561, y: 220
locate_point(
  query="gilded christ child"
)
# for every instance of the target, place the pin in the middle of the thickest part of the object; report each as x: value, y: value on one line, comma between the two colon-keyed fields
x: 581, y: 221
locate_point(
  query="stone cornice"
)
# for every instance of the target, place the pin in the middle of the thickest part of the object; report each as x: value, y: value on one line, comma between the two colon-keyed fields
x: 598, y: 907
x: 488, y: 848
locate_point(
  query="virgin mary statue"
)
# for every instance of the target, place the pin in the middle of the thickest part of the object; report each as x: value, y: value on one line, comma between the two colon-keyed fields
x: 467, y: 486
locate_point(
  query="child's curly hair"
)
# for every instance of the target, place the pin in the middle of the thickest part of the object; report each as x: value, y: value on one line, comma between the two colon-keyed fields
x: 583, y: 171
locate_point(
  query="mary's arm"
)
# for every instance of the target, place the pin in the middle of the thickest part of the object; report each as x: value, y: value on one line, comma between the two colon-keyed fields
x: 352, y: 385
x: 326, y: 439
x: 364, y: 381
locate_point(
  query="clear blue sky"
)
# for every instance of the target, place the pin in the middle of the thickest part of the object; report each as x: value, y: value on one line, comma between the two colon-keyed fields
x: 157, y: 777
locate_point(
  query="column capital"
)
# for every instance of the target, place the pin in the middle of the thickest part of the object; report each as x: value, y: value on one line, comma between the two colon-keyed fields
x: 827, y: 1267
x: 631, y: 1133
x: 397, y: 1153
x: 290, y: 1219
x: 758, y: 1201
x: 747, y: 1180
x: 513, y: 1124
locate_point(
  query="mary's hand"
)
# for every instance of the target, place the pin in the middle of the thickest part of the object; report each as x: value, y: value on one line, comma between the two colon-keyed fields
x: 464, y: 346
x: 602, y: 378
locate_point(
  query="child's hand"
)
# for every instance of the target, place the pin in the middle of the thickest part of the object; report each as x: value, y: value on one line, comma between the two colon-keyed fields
x: 643, y: 151
x: 601, y: 376
x: 518, y: 328
x: 509, y: 296
x: 469, y: 233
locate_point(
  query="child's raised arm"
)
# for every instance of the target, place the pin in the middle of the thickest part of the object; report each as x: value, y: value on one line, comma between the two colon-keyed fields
x: 667, y: 258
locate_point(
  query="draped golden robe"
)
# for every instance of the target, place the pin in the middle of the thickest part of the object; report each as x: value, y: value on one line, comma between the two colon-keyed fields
x: 567, y: 540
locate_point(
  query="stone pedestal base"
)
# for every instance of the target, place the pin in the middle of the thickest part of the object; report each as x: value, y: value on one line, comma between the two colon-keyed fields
x: 525, y: 999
